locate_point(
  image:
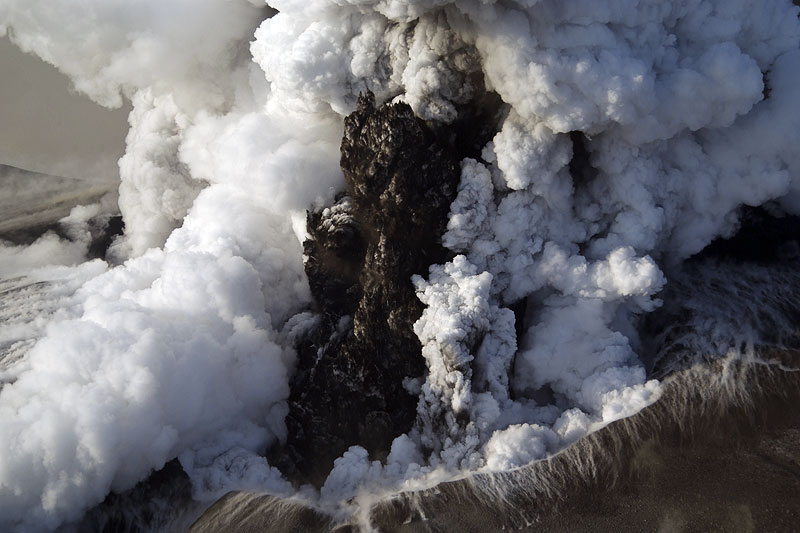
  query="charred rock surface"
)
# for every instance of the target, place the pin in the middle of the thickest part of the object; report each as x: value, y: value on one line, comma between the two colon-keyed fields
x: 401, y: 178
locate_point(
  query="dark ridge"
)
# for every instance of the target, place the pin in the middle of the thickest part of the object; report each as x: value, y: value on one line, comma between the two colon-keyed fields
x: 763, y: 237
x: 360, y: 257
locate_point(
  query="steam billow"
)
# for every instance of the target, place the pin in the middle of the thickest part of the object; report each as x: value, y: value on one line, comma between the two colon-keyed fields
x: 371, y: 246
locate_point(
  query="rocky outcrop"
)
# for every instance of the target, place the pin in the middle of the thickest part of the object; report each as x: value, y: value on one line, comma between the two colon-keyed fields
x: 349, y: 385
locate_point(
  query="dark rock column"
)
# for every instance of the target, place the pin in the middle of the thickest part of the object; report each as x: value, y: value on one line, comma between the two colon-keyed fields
x: 348, y: 388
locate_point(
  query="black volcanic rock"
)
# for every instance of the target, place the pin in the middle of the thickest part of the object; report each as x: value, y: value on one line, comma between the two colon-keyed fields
x: 348, y: 389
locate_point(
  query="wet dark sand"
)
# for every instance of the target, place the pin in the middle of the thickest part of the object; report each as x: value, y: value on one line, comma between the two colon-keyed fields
x: 719, y: 452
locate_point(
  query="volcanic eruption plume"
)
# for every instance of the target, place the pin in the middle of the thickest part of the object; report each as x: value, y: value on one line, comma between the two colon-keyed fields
x: 373, y: 245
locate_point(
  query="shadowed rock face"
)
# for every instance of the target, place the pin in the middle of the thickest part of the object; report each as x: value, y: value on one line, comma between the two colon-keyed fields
x: 348, y: 388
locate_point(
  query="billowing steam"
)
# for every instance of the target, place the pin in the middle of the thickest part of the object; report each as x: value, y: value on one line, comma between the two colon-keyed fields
x: 632, y: 131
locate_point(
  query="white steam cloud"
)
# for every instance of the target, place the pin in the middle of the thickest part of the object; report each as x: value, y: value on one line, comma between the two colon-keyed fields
x: 185, y: 348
